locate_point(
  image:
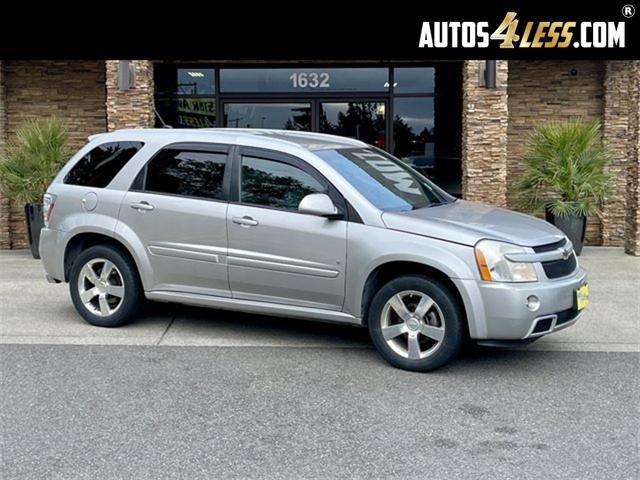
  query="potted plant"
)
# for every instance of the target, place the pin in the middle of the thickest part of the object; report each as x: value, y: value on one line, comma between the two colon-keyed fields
x: 28, y: 164
x: 565, y: 176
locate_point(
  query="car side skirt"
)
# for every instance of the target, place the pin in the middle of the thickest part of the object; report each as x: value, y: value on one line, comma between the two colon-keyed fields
x: 252, y: 306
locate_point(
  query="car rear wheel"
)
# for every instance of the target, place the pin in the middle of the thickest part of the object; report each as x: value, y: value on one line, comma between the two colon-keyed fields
x: 416, y: 323
x: 105, y: 287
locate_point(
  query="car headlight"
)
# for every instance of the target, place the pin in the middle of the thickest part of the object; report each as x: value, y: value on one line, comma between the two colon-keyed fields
x: 493, y: 266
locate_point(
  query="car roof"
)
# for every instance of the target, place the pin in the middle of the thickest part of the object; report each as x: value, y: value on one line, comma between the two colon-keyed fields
x: 306, y: 140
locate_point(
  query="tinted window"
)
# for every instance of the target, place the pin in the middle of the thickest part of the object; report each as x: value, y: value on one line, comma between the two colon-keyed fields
x: 189, y: 173
x: 388, y: 183
x: 186, y: 112
x: 304, y: 79
x: 275, y: 184
x: 285, y: 116
x: 413, y: 131
x: 170, y: 80
x: 98, y: 167
x: 413, y: 80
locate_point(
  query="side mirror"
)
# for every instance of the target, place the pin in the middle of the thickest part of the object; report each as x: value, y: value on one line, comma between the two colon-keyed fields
x: 319, y: 204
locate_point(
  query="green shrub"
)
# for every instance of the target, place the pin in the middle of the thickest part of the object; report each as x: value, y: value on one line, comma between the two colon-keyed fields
x: 32, y: 158
x: 565, y: 169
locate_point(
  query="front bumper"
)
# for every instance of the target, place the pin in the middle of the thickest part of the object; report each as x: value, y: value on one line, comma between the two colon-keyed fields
x: 498, y: 311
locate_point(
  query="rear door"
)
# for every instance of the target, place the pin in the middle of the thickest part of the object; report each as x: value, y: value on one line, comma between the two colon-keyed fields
x: 177, y: 207
x: 277, y: 254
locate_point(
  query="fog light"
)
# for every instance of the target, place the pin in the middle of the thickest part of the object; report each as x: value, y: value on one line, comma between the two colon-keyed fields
x: 533, y: 303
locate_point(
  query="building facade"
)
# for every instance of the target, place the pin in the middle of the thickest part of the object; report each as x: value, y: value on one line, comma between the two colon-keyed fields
x: 443, y: 117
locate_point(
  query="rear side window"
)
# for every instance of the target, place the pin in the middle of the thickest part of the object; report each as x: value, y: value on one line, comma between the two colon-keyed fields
x: 98, y: 167
x: 187, y: 173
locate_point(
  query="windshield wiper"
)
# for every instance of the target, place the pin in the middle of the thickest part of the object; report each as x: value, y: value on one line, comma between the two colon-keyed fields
x: 437, y: 204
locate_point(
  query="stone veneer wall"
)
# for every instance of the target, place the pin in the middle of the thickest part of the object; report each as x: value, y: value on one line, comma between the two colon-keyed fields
x: 5, y: 206
x: 73, y: 91
x: 484, y: 135
x: 133, y: 107
x: 545, y: 90
x: 619, y: 106
x: 632, y: 220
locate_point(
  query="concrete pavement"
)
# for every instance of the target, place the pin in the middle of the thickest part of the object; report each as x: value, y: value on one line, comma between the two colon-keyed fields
x: 33, y: 311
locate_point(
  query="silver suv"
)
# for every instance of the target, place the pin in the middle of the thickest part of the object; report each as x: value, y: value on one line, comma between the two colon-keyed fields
x: 301, y: 225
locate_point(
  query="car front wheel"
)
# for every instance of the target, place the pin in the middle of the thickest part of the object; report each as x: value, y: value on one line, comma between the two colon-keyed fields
x: 416, y: 323
x: 105, y: 287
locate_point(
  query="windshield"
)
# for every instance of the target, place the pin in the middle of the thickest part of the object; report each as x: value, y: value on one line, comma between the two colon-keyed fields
x: 388, y: 183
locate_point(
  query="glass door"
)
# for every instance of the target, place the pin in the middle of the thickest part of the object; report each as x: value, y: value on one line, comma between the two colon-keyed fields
x: 362, y: 120
x: 279, y: 115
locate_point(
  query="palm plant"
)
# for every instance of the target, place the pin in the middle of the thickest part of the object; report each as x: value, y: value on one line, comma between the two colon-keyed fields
x: 565, y: 170
x: 32, y: 158
x: 27, y: 167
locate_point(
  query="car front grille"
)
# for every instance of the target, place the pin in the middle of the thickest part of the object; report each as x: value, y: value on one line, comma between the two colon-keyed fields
x: 550, y: 246
x: 557, y: 268
x: 560, y: 268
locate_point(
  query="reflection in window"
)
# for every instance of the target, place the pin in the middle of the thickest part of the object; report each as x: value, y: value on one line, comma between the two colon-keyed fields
x: 285, y: 116
x: 194, y: 174
x: 413, y: 80
x: 98, y: 167
x: 413, y: 131
x: 170, y: 80
x: 275, y: 184
x: 360, y: 120
x: 182, y: 112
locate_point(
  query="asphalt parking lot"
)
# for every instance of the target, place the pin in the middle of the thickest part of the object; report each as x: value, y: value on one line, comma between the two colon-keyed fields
x: 192, y: 393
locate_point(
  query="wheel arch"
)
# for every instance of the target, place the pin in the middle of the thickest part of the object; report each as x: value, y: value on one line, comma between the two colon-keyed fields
x: 389, y: 270
x: 84, y: 240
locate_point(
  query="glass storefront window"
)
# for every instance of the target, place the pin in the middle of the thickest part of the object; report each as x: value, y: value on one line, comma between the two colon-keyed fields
x: 413, y: 131
x: 177, y: 112
x: 184, y: 81
x: 413, y: 80
x: 286, y: 116
x: 304, y: 80
x: 361, y: 120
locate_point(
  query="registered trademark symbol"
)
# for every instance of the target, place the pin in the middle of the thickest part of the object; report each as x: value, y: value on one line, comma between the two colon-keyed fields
x: 628, y: 11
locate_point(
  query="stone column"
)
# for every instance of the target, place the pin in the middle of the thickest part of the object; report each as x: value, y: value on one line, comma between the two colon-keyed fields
x: 632, y: 220
x: 134, y: 107
x: 484, y: 135
x: 617, y: 134
x: 5, y: 205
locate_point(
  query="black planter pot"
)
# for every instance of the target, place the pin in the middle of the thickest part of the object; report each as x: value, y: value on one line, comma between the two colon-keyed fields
x: 35, y: 222
x: 573, y: 226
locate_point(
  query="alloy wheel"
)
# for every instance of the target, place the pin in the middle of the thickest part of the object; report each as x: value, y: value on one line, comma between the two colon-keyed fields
x: 412, y: 324
x: 101, y: 287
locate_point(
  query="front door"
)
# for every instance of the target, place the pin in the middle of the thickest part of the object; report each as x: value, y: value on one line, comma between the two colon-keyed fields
x: 275, y: 253
x: 177, y: 208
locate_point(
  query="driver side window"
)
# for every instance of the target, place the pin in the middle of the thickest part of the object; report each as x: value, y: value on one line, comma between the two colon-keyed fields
x: 274, y: 184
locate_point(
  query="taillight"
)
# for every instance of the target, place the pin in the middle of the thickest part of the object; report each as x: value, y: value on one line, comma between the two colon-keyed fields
x: 48, y: 202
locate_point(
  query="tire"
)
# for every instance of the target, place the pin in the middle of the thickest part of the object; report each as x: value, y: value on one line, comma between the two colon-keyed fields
x: 422, y: 341
x: 98, y: 301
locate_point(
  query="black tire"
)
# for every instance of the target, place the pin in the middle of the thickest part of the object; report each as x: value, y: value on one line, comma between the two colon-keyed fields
x: 133, y: 296
x: 452, y: 319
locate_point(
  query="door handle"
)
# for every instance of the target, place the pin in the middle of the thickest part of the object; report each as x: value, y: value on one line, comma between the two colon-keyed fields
x: 245, y: 221
x: 142, y: 206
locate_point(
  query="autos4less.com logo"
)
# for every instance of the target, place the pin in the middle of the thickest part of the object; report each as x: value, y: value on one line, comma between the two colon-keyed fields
x: 514, y: 33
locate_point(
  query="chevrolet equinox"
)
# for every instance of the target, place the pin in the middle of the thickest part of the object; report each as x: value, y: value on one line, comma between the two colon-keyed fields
x: 301, y: 225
